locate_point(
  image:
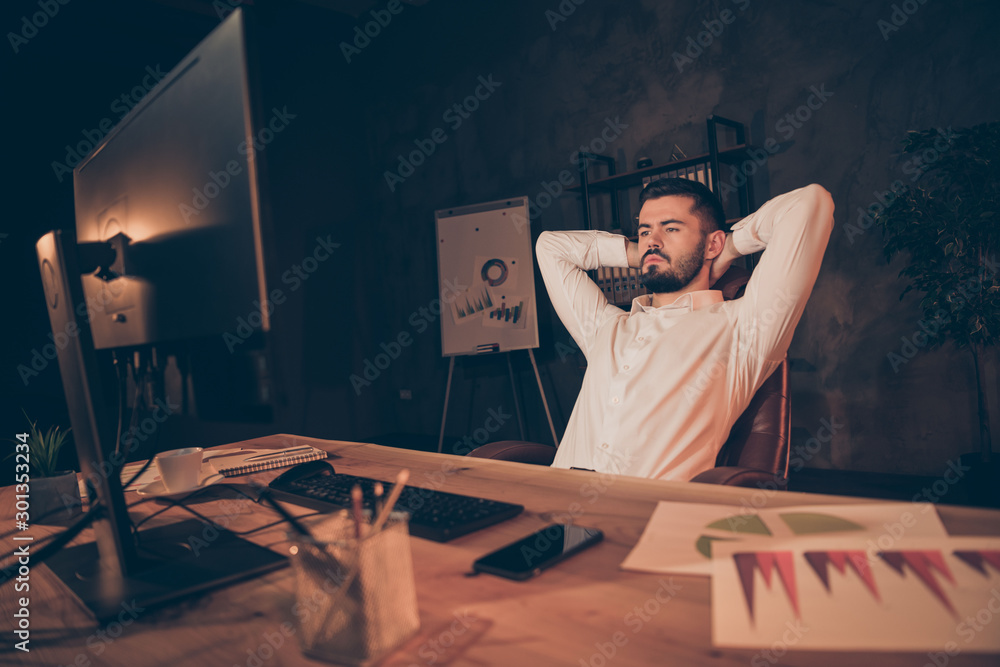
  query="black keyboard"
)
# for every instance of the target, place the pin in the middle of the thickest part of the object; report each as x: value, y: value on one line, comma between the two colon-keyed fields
x: 434, y: 515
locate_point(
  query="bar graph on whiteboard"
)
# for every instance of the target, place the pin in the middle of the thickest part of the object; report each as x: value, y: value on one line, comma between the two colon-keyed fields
x: 509, y: 313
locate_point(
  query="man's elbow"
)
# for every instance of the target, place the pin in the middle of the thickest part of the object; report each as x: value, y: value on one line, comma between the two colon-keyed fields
x: 546, y: 243
x: 820, y: 201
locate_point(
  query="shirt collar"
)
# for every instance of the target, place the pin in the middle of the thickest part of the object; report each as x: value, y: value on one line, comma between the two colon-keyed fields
x: 685, y: 302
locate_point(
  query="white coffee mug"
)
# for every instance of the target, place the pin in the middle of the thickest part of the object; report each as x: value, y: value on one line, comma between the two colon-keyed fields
x: 180, y: 469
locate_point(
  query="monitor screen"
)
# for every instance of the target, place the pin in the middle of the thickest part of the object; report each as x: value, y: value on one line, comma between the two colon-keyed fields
x: 179, y: 177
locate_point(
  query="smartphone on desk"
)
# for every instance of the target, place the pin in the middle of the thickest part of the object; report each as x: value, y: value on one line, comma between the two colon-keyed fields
x: 528, y: 557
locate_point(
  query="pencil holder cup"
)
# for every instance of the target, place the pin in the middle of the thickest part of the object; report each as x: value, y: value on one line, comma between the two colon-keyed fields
x: 355, y: 598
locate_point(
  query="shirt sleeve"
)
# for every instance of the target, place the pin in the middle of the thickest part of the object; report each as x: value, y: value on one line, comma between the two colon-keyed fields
x: 563, y: 259
x: 794, y: 228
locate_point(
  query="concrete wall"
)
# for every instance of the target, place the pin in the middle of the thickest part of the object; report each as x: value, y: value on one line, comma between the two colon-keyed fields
x: 560, y: 82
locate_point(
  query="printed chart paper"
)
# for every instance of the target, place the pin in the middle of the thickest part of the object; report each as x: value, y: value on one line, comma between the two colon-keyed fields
x: 471, y: 304
x: 680, y: 538
x: 834, y: 593
x: 510, y: 312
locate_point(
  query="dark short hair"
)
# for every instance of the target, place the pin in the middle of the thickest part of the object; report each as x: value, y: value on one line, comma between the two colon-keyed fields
x: 706, y: 205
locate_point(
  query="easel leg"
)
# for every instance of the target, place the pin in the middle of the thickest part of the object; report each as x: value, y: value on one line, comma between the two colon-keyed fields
x: 447, y: 395
x: 517, y: 404
x: 545, y: 403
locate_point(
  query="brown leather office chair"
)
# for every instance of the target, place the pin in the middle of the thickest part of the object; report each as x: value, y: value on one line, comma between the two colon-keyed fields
x: 756, y: 452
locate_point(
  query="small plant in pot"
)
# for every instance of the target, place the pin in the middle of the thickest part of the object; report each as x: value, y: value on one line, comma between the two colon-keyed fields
x: 49, y: 489
x: 948, y: 224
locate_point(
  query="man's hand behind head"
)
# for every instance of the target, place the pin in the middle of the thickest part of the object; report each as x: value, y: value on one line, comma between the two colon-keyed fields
x: 723, y: 261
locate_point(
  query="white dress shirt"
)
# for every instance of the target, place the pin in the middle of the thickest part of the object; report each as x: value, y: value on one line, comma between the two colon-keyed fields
x: 664, y: 386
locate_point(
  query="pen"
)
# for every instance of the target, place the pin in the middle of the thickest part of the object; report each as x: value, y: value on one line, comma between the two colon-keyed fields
x: 356, y: 506
x: 221, y: 455
x: 397, y: 489
x: 283, y: 452
x: 378, y: 498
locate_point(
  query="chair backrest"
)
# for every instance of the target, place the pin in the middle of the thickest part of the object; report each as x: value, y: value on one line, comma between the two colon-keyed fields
x: 759, y: 438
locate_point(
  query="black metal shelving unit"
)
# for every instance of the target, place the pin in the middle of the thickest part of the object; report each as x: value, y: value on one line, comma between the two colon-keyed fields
x: 614, y: 182
x: 707, y: 167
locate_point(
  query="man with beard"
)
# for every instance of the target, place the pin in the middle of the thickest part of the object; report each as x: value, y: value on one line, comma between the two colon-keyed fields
x: 666, y: 381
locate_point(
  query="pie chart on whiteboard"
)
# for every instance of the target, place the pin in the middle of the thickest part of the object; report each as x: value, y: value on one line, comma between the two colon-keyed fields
x: 494, y: 272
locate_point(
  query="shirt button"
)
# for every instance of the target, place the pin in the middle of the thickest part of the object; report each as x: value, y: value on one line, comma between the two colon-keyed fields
x: 625, y: 367
x: 604, y: 445
x: 641, y: 338
x: 615, y: 400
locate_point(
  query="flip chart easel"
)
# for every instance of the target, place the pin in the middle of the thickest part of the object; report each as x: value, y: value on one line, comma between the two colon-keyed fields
x: 486, y: 269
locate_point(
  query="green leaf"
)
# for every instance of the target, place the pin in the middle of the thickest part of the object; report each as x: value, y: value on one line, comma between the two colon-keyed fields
x: 43, y: 448
x: 944, y: 225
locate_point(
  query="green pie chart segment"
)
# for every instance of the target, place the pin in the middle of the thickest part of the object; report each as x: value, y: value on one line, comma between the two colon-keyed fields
x: 809, y: 523
x: 741, y: 524
x: 704, y: 544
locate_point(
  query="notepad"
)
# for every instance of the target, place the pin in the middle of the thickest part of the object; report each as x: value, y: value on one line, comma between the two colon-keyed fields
x: 242, y: 466
x: 227, y: 462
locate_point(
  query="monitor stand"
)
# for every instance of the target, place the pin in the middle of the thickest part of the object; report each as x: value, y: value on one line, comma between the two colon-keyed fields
x: 173, y: 562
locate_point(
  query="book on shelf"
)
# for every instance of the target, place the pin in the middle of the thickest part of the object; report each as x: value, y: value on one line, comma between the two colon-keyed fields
x: 701, y: 172
x: 620, y: 285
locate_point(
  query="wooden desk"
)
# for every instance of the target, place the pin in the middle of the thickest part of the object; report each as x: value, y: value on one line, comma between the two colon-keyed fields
x: 564, y: 617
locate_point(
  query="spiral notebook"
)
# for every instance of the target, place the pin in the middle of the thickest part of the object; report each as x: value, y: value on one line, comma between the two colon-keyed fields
x: 244, y: 466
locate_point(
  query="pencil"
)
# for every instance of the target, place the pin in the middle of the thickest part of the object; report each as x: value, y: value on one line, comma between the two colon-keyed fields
x: 356, y: 506
x: 379, y: 490
x: 397, y: 489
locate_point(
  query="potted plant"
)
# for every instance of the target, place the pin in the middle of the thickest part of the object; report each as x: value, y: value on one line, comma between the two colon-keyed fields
x: 49, y: 489
x: 947, y: 221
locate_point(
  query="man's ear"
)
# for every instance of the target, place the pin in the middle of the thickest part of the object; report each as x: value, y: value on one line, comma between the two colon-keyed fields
x: 715, y: 243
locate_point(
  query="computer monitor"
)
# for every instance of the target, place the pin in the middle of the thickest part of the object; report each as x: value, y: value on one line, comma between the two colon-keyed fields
x: 178, y: 188
x: 154, y: 265
x: 178, y: 176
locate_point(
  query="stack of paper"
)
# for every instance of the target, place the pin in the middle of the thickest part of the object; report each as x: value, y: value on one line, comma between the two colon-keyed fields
x: 883, y: 576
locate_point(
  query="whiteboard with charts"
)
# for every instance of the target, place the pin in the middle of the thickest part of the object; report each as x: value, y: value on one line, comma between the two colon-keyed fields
x: 486, y: 278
